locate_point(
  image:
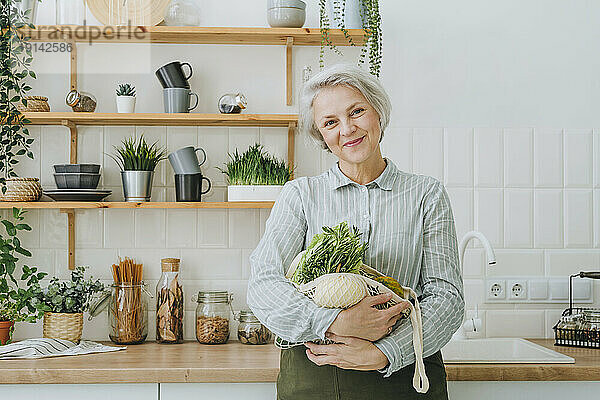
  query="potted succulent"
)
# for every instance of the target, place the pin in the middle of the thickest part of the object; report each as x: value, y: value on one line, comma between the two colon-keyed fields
x: 18, y: 295
x: 137, y: 161
x: 15, y: 63
x: 125, y: 98
x: 63, y: 304
x: 351, y: 14
x: 255, y: 175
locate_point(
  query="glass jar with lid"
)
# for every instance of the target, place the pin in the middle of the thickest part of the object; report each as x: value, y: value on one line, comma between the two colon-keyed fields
x: 169, y: 303
x: 182, y: 13
x: 250, y: 330
x: 232, y: 103
x: 128, y: 313
x: 591, y: 325
x: 212, y: 316
x: 567, y: 327
x: 81, y: 101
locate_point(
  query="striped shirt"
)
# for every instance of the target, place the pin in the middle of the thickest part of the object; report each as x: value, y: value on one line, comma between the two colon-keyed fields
x: 408, y: 223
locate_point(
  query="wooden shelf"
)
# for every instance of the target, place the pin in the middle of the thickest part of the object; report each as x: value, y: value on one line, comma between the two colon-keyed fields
x: 190, y: 35
x: 176, y: 119
x: 64, y: 205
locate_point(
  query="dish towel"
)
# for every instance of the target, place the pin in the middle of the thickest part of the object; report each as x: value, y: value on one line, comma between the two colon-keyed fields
x: 44, y: 347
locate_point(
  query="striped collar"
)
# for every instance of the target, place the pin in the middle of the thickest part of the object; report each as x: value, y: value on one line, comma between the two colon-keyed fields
x: 337, y: 179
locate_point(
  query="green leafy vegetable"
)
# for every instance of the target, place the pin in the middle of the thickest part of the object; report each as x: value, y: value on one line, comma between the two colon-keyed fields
x: 337, y: 249
x: 256, y: 167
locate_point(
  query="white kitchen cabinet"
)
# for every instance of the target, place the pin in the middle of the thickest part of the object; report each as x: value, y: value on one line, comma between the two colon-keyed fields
x: 218, y: 391
x: 131, y: 391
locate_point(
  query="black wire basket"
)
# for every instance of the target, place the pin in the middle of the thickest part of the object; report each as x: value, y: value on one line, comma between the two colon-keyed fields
x: 589, y: 338
x: 577, y: 337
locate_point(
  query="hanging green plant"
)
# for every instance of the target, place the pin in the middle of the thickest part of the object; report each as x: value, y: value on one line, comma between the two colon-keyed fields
x: 15, y: 68
x: 371, y: 22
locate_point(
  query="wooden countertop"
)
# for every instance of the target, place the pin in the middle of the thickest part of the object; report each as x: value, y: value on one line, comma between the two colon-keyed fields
x: 235, y: 362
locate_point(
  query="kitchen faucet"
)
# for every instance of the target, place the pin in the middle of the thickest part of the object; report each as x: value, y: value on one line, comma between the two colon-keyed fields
x: 472, y: 324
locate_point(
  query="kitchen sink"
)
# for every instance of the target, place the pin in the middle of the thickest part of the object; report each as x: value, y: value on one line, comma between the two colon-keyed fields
x: 500, y: 350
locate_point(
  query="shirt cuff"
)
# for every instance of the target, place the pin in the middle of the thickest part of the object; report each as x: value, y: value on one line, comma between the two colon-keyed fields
x: 322, y: 320
x: 396, y: 347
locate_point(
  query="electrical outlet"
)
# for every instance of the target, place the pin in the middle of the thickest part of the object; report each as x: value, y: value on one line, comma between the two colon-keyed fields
x: 496, y: 289
x: 517, y: 289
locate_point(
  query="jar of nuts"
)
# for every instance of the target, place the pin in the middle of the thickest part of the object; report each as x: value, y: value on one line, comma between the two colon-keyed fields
x: 250, y: 330
x: 212, y: 316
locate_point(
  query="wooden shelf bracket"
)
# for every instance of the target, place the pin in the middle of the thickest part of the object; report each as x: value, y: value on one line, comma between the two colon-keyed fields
x: 291, y: 145
x: 73, y: 151
x: 288, y: 70
x: 71, y: 237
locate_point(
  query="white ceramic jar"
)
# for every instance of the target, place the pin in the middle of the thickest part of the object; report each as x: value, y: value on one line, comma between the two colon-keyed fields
x: 286, y: 13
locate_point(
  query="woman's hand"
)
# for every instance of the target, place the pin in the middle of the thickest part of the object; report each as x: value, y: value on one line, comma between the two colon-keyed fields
x: 366, y: 322
x: 347, y: 353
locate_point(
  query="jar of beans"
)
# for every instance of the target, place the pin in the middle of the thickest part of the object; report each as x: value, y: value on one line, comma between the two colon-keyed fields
x: 212, y: 316
x: 250, y: 330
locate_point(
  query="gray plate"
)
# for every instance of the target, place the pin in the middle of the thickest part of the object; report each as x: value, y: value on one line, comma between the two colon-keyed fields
x: 77, y: 194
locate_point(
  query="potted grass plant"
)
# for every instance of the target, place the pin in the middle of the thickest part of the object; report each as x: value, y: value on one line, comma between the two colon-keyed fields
x: 18, y: 292
x: 255, y: 175
x: 125, y: 98
x: 63, y: 304
x: 137, y: 161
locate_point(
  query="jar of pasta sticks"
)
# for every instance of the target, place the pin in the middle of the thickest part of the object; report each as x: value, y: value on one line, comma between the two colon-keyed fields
x: 212, y: 316
x: 128, y: 313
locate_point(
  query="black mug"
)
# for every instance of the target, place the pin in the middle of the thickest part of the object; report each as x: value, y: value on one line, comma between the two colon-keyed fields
x: 188, y: 187
x: 171, y: 75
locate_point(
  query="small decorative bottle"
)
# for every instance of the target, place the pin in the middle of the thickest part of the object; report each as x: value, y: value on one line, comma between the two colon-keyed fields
x: 232, y: 103
x: 169, y: 303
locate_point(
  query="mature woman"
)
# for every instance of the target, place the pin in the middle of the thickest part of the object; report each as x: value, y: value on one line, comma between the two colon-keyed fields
x: 408, y: 223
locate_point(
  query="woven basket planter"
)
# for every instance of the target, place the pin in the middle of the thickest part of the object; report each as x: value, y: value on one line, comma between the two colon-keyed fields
x: 22, y: 189
x: 34, y: 103
x: 67, y: 326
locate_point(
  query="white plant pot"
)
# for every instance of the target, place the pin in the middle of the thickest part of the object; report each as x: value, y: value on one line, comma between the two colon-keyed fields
x: 253, y: 192
x: 125, y: 104
x: 352, y: 18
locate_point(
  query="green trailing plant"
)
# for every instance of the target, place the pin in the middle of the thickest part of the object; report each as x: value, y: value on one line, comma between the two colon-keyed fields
x: 256, y: 167
x: 373, y: 37
x: 15, y: 69
x: 18, y: 293
x: 72, y: 296
x: 126, y: 89
x: 137, y: 155
x: 336, y: 249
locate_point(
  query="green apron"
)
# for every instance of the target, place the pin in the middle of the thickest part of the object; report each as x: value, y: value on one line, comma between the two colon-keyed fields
x: 301, y: 379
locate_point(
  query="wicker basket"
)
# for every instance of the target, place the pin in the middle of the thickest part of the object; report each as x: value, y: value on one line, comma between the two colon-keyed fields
x: 34, y: 103
x: 67, y: 326
x: 22, y: 189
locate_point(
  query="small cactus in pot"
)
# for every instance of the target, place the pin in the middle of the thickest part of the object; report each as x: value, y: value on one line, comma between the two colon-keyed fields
x: 125, y: 98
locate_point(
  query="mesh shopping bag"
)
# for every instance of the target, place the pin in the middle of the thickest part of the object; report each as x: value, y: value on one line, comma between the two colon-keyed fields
x: 343, y: 290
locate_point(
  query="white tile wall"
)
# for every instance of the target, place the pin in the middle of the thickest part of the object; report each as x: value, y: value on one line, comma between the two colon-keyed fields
x: 548, y: 218
x: 518, y: 155
x: 458, y: 157
x: 488, y: 158
x: 518, y: 218
x: 578, y: 158
x: 517, y: 263
x: 596, y: 157
x: 566, y: 262
x: 529, y: 324
x: 548, y: 156
x: 489, y: 214
x: 428, y: 152
x: 578, y: 218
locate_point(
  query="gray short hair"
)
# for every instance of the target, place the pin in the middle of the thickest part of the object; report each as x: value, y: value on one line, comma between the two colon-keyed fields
x: 347, y: 75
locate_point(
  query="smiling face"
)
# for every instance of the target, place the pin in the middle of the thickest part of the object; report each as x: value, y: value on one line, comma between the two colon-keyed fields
x: 349, y: 125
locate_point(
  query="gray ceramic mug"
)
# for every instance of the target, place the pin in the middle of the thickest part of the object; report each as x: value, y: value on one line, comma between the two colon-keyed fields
x: 185, y: 161
x: 177, y: 100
